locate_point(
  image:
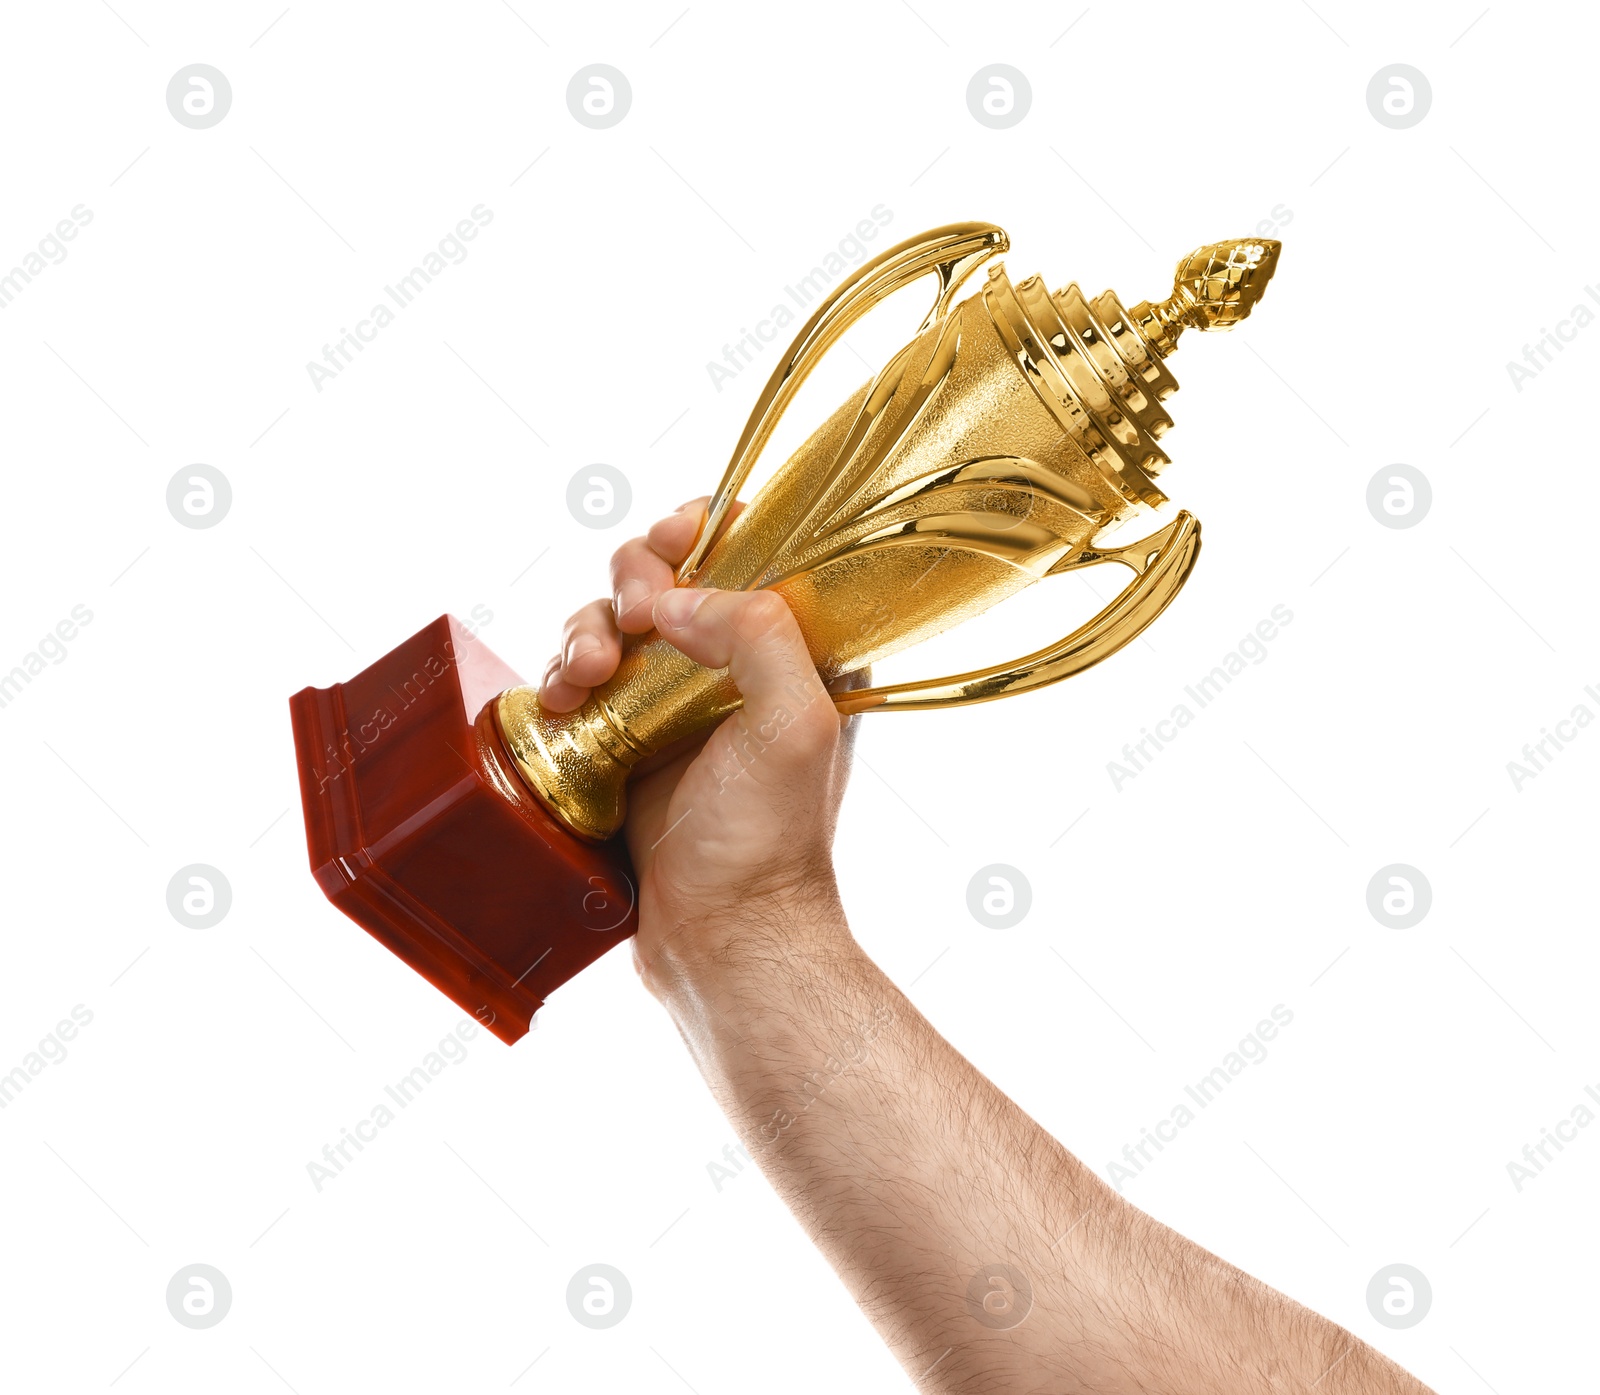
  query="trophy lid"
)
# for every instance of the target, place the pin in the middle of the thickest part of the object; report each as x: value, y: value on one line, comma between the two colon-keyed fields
x: 1214, y: 287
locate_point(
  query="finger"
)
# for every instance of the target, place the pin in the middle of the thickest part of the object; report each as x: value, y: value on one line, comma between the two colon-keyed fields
x: 591, y: 648
x: 641, y: 570
x: 645, y: 567
x: 590, y: 651
x: 638, y: 575
x: 754, y: 636
x: 673, y: 537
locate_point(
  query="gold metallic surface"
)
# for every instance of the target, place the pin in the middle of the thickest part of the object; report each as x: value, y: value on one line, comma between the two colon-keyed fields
x: 990, y: 452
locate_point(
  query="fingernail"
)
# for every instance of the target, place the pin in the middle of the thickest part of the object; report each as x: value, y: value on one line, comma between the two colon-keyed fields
x: 577, y: 647
x: 629, y: 594
x: 676, y: 608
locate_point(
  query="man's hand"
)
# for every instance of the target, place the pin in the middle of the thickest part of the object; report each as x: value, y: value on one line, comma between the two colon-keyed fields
x: 988, y: 1256
x: 741, y: 822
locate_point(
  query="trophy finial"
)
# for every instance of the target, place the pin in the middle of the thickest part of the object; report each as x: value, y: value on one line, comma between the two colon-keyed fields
x: 1214, y: 287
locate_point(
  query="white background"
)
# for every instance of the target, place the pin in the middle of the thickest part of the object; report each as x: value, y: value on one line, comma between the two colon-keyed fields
x: 1226, y: 878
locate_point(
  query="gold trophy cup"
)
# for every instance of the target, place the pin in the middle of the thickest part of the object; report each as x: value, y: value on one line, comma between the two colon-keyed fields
x: 991, y: 451
x: 470, y: 831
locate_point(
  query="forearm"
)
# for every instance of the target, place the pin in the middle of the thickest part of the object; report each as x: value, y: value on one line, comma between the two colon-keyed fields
x: 986, y: 1254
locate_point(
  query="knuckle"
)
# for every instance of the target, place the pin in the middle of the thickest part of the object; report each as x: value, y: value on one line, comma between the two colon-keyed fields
x: 684, y: 521
x: 626, y: 558
x: 591, y: 619
x: 764, y: 612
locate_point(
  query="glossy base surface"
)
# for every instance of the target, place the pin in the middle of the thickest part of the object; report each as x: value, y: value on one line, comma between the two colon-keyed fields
x: 421, y: 832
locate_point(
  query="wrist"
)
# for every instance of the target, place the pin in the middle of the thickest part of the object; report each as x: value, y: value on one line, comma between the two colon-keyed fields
x: 718, y: 950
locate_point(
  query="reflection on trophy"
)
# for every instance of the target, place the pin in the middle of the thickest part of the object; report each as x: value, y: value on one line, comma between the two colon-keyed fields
x: 473, y: 833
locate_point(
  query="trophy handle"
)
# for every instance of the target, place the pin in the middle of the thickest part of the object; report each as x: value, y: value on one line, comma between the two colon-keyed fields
x: 1162, y: 562
x: 953, y: 251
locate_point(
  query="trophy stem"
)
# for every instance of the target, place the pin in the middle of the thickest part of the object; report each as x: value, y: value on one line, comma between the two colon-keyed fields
x: 578, y: 763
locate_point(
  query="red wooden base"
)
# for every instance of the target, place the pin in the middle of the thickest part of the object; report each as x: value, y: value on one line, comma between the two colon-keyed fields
x: 421, y: 832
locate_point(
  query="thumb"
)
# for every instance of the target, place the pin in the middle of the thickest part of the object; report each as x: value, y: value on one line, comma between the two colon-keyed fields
x: 754, y: 636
